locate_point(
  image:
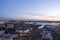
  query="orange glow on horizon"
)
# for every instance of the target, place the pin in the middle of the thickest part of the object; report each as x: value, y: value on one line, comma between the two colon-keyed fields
x: 45, y: 18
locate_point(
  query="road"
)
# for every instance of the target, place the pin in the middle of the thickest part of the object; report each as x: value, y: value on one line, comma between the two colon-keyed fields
x: 46, y: 35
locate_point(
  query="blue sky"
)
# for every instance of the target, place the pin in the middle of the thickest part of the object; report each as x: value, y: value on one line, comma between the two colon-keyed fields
x: 29, y: 8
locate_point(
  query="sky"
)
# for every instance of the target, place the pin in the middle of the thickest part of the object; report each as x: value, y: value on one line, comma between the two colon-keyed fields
x: 29, y: 8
